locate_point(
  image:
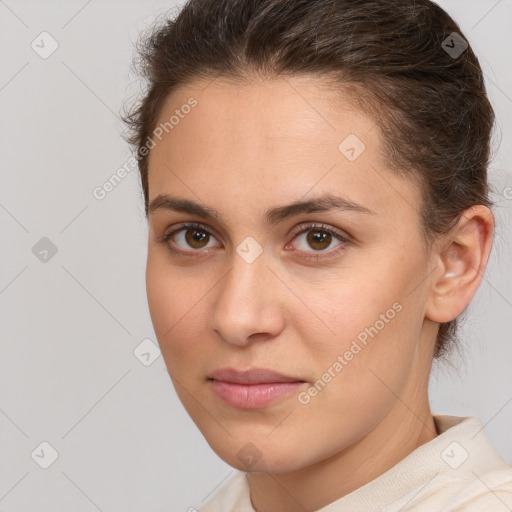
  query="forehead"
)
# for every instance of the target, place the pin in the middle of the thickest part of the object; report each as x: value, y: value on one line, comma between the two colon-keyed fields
x: 281, y: 138
x: 299, y: 110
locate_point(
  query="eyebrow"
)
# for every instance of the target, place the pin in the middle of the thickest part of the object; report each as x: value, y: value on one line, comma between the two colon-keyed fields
x: 272, y: 216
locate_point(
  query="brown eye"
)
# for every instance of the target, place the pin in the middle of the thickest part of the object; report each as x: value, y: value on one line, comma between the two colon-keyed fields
x: 189, y: 238
x: 192, y: 238
x: 318, y: 239
x: 196, y: 238
x: 315, y: 241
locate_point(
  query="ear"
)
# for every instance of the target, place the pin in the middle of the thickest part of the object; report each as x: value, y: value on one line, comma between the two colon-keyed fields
x: 460, y: 257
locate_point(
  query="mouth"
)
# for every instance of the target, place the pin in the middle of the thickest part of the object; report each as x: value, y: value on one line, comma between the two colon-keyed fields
x: 252, y: 389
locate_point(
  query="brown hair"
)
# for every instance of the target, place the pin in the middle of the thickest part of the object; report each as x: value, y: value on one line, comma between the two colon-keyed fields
x: 393, y: 56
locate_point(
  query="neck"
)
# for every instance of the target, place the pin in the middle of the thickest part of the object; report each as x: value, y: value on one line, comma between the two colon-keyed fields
x: 407, y: 426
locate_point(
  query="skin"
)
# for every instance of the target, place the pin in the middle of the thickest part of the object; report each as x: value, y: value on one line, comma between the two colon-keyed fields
x: 244, y: 149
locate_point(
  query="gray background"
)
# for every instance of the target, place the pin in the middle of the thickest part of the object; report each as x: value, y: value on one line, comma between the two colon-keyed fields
x: 68, y: 374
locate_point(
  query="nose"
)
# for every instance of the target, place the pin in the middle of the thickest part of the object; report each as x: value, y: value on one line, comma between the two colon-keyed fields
x: 248, y: 305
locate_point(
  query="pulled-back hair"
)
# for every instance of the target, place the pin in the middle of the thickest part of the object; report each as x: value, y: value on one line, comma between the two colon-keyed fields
x: 397, y: 59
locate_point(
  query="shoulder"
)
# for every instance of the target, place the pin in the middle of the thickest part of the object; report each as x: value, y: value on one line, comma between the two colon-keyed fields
x: 469, y: 492
x: 470, y: 476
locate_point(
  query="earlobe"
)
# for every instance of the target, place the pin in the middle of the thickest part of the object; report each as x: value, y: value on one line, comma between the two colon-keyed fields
x: 461, y: 258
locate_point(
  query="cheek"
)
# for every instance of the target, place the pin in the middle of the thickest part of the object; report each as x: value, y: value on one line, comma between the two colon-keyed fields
x: 358, y: 370
x: 173, y: 301
x: 366, y: 321
x: 345, y: 308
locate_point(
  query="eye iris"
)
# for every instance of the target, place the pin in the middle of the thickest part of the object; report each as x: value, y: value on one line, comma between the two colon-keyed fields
x: 196, y: 236
x: 319, y: 237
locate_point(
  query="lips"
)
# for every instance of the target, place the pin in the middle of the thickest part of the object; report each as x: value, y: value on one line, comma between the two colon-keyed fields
x: 253, y: 376
x: 252, y: 389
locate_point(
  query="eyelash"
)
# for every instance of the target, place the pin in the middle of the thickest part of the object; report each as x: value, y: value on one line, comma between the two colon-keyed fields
x: 299, y: 231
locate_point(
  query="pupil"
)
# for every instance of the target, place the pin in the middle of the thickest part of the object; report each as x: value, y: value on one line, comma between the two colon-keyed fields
x: 316, y: 238
x: 194, y: 237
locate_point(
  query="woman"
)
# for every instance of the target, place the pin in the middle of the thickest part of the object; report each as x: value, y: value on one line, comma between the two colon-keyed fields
x: 315, y: 180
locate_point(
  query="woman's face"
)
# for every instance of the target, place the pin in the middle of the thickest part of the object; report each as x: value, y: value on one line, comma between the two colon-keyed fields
x: 331, y: 298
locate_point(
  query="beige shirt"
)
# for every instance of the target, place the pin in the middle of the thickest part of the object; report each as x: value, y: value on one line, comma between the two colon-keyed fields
x: 459, y: 470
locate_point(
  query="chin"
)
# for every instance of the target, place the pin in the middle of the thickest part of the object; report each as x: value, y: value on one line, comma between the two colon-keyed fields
x: 259, y: 454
